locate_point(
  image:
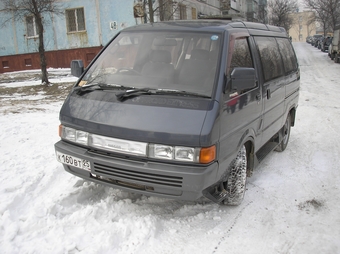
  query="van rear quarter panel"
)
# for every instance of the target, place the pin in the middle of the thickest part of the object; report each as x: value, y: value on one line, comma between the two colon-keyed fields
x: 273, y: 97
x: 292, y: 91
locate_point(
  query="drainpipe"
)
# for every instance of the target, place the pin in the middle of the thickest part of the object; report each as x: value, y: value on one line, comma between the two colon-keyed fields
x: 54, y: 33
x: 15, y: 36
x: 98, y: 22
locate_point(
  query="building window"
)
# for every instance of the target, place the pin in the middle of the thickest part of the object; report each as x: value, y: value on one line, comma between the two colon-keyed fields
x: 28, y: 62
x: 75, y: 20
x: 193, y: 13
x: 5, y: 64
x: 31, y: 26
x: 182, y: 11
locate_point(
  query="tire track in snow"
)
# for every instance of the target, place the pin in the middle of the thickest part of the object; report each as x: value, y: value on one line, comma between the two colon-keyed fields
x: 231, y: 226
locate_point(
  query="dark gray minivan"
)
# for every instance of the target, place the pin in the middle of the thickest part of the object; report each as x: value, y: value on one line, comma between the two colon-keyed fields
x: 182, y: 109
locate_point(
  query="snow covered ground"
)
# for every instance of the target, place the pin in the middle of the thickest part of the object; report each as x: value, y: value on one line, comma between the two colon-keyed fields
x: 291, y: 205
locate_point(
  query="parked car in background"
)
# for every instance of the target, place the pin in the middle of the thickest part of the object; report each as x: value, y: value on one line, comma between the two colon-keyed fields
x: 309, y: 39
x: 334, y: 47
x: 315, y: 38
x: 325, y: 43
x: 320, y: 40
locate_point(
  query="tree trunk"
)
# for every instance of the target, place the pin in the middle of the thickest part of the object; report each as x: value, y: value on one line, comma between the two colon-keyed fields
x: 41, y: 49
x: 43, y: 63
x: 151, y: 11
x: 145, y: 15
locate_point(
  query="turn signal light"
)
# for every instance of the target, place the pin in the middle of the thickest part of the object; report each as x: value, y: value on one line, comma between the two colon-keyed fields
x: 207, y: 154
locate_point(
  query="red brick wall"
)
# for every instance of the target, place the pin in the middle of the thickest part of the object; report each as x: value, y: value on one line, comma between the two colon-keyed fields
x: 55, y: 59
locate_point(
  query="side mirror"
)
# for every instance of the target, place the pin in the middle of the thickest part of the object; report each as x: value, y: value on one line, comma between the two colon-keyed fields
x: 77, y: 68
x: 242, y: 79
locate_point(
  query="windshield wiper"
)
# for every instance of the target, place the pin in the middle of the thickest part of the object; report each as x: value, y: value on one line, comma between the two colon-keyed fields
x: 134, y: 92
x: 147, y: 91
x: 97, y: 86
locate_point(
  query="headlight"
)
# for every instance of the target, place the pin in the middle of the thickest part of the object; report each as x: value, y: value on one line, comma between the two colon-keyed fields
x: 178, y: 153
x: 186, y: 153
x: 68, y: 133
x: 80, y: 137
x: 161, y: 151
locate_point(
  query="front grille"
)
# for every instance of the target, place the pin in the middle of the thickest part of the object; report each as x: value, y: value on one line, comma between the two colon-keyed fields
x: 142, y: 177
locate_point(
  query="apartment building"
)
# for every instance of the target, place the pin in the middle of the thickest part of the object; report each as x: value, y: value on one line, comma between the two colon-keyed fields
x: 304, y: 25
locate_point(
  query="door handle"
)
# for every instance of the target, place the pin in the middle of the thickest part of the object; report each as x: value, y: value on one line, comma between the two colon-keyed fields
x: 258, y: 96
x: 268, y: 94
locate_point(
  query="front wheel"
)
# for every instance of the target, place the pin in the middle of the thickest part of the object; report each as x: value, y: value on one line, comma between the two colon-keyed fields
x: 285, y: 133
x: 235, y: 185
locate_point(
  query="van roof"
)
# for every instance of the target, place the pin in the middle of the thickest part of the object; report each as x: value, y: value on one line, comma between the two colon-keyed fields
x: 208, y: 25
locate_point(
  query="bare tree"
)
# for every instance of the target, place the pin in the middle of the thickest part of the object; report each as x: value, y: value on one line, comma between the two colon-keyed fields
x: 279, y: 11
x: 262, y: 13
x: 19, y: 10
x: 166, y: 9
x: 327, y: 12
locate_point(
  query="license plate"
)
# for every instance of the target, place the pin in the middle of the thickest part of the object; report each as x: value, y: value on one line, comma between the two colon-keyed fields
x: 73, y: 161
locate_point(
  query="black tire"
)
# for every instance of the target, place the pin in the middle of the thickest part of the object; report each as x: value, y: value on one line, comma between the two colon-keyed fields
x: 286, y: 134
x: 336, y: 58
x: 332, y: 56
x: 235, y: 185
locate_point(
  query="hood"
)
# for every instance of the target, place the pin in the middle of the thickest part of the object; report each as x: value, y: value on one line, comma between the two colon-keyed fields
x: 162, y: 119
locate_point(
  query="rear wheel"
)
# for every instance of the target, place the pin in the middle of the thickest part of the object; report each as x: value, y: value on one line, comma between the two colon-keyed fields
x: 285, y: 135
x: 336, y: 58
x: 235, y: 185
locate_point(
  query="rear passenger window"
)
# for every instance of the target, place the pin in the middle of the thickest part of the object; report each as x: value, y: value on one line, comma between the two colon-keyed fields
x: 241, y: 55
x: 270, y: 57
x: 288, y: 55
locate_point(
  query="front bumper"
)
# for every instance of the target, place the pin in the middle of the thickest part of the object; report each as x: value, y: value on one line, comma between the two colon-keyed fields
x: 185, y: 182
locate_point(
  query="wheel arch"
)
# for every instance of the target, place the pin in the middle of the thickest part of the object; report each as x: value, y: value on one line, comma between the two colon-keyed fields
x: 250, y: 148
x: 248, y: 141
x: 292, y: 113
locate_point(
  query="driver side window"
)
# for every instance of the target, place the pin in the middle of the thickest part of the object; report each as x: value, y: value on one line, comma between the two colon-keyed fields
x: 241, y: 56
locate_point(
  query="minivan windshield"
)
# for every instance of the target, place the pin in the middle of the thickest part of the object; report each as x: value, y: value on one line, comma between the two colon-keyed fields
x: 175, y: 61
